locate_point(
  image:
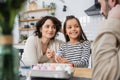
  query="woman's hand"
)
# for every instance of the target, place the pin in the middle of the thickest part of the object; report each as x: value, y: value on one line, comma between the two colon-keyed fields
x: 50, y: 54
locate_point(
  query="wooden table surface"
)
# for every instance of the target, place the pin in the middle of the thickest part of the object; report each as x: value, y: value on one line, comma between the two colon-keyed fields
x: 83, y: 72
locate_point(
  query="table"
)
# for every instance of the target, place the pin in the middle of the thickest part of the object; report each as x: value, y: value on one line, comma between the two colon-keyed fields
x: 74, y: 78
x: 79, y: 74
x: 83, y: 72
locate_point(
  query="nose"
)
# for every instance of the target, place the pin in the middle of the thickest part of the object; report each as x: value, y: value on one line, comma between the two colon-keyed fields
x: 73, y: 28
x: 50, y: 29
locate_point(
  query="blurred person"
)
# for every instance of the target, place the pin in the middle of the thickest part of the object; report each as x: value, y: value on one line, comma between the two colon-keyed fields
x: 106, y: 46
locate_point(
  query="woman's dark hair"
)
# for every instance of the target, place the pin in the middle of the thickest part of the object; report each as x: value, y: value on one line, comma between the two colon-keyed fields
x: 82, y: 36
x: 40, y: 23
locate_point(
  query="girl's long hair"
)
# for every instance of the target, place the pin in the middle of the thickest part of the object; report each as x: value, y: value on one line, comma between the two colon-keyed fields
x: 82, y: 37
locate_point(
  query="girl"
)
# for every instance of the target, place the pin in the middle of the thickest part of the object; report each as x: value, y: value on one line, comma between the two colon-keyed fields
x: 76, y: 50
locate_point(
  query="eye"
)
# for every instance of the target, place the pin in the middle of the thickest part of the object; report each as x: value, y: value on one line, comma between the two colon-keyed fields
x: 76, y: 26
x: 54, y: 27
x: 47, y: 26
x: 69, y: 27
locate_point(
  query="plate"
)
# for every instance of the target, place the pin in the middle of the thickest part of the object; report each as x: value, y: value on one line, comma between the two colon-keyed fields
x: 50, y: 74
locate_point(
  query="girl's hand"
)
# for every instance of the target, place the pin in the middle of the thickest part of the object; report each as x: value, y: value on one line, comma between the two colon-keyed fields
x: 61, y: 59
x: 58, y: 59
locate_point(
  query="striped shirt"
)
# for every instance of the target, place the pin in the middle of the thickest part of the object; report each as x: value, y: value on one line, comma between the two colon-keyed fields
x: 78, y: 53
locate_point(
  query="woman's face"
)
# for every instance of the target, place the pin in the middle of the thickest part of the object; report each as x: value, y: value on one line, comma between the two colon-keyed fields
x: 72, y: 29
x: 48, y: 29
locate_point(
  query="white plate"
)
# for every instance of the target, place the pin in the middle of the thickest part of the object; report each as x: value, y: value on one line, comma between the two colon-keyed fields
x: 50, y: 74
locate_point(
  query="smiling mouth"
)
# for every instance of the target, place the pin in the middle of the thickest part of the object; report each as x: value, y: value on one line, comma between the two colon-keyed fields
x: 50, y: 33
x: 73, y: 32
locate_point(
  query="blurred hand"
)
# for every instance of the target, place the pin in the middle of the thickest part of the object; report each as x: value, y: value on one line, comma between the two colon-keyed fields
x: 50, y: 54
x: 115, y: 12
x: 60, y: 59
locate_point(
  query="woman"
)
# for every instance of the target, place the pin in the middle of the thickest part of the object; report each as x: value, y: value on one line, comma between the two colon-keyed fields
x: 44, y: 39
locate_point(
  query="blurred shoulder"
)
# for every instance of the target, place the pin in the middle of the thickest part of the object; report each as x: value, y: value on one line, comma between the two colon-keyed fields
x: 32, y: 37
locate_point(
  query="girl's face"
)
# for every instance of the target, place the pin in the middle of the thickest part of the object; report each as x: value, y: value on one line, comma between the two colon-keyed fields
x: 72, y: 29
x: 48, y: 29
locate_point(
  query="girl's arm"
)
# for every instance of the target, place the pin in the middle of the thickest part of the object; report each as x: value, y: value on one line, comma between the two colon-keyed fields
x: 84, y: 60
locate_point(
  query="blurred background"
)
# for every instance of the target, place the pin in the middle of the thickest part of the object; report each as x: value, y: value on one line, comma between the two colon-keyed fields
x: 87, y: 11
